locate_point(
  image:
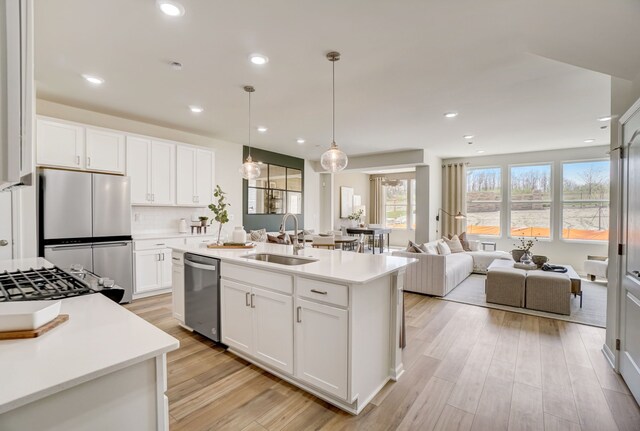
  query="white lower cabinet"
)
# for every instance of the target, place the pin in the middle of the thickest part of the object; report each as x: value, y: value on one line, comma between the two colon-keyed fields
x: 177, y: 283
x: 321, y: 340
x: 152, y: 270
x: 258, y: 322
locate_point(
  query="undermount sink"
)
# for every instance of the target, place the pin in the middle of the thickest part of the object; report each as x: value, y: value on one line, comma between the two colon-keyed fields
x: 280, y: 259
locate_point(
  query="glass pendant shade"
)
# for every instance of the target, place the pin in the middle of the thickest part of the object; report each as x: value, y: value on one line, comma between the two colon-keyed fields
x: 334, y: 159
x: 249, y: 170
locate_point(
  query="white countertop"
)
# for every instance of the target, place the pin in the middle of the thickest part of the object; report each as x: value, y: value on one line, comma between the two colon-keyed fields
x: 24, y: 264
x: 333, y: 265
x: 100, y: 337
x: 161, y: 235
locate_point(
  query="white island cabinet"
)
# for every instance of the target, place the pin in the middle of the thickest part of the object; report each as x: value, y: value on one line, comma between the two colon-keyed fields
x: 331, y: 326
x: 103, y: 369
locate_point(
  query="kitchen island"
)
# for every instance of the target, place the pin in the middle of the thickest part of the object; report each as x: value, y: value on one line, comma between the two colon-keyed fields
x: 104, y: 369
x: 331, y: 323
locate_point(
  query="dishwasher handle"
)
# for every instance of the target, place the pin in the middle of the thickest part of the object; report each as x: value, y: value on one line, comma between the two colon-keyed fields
x: 200, y: 266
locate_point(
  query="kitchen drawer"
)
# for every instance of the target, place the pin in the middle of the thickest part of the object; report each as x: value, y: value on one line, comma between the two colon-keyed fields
x: 177, y: 258
x: 151, y: 244
x: 335, y: 294
x: 271, y: 280
x: 200, y: 240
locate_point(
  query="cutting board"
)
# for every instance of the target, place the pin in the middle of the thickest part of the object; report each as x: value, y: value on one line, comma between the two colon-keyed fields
x: 33, y: 333
x: 230, y: 247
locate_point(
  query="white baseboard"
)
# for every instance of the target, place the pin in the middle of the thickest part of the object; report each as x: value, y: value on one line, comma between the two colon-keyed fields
x: 610, y: 356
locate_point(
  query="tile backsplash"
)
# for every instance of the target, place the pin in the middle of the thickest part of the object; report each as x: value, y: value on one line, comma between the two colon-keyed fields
x: 162, y: 219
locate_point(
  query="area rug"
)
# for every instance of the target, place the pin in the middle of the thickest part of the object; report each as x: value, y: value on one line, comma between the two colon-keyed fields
x: 593, y: 311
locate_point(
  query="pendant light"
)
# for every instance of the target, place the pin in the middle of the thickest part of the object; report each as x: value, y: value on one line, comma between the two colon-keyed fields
x: 334, y: 160
x: 249, y: 170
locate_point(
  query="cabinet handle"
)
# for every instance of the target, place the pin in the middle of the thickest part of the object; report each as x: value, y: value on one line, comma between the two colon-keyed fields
x: 319, y: 291
x: 246, y: 299
x: 88, y: 161
x: 298, y: 317
x: 252, y: 304
x: 175, y: 258
x: 78, y: 160
x: 160, y: 243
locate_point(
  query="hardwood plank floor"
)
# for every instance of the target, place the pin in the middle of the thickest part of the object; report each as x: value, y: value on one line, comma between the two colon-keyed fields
x: 467, y: 368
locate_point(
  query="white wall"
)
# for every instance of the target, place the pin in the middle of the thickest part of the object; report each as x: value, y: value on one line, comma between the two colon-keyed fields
x: 435, y: 193
x: 559, y: 251
x: 360, y: 184
x: 228, y: 154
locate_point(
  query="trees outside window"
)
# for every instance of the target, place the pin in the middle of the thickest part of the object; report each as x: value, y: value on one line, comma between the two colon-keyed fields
x: 484, y: 201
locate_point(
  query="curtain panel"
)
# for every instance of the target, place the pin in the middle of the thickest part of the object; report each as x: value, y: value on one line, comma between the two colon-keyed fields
x: 454, y: 188
x: 376, y: 200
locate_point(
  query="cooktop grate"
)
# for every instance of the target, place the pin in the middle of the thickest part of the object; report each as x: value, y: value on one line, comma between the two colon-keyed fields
x: 39, y: 284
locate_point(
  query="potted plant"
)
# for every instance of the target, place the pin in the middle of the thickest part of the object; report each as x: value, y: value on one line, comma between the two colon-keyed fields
x: 522, y: 252
x: 220, y: 209
x: 355, y: 216
x: 203, y: 220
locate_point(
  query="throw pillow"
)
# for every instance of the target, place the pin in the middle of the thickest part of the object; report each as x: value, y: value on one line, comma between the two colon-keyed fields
x: 259, y: 235
x: 464, y: 241
x: 283, y: 238
x: 429, y: 248
x: 412, y: 247
x: 474, y: 245
x: 454, y: 244
x: 443, y: 248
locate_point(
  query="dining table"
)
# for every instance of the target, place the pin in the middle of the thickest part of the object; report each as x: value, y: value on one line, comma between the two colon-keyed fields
x: 373, y: 232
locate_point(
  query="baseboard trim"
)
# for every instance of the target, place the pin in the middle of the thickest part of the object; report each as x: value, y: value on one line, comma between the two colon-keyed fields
x: 609, y: 356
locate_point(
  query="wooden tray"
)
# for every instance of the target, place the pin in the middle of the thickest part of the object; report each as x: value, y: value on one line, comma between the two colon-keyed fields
x: 33, y: 333
x: 231, y: 247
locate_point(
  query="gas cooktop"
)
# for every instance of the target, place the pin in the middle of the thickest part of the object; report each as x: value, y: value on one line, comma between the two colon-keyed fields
x: 39, y: 284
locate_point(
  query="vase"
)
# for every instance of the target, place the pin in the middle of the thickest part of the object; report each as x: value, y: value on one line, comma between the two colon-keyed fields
x: 517, y: 254
x: 239, y: 235
x: 539, y: 260
x: 526, y: 258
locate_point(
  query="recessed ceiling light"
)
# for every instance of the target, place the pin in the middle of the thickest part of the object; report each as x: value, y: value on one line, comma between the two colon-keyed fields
x: 300, y: 141
x: 589, y: 141
x: 605, y: 118
x: 196, y: 109
x: 170, y: 7
x: 262, y: 129
x: 480, y: 151
x: 95, y: 80
x: 468, y: 136
x: 258, y: 59
x: 175, y: 65
x: 450, y: 114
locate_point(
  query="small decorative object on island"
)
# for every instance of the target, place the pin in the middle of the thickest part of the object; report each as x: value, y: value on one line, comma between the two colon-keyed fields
x: 523, y: 251
x: 238, y: 235
x: 220, y: 209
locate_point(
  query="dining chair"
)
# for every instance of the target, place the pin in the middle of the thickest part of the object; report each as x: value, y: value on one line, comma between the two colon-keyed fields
x: 327, y: 242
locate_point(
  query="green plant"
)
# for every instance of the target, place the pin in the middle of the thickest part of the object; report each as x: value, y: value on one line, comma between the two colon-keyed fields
x: 203, y: 218
x: 355, y: 215
x: 220, y: 209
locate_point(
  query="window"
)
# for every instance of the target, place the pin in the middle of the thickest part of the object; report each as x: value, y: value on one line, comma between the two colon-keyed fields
x: 276, y: 191
x: 530, y: 201
x: 585, y: 200
x: 399, y: 204
x: 484, y: 199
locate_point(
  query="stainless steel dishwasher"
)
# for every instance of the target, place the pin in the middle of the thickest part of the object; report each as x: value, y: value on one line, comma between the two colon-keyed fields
x: 202, y: 295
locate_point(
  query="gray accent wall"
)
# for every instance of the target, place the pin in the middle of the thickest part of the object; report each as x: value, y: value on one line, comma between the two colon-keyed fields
x: 270, y: 222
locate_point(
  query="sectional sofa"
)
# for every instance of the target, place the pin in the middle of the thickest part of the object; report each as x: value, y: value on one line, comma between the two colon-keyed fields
x: 437, y: 275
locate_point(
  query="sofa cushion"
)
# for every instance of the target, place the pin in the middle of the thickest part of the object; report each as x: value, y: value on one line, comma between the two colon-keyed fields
x: 259, y: 235
x: 429, y: 248
x: 443, y: 248
x: 412, y: 247
x: 454, y: 244
x: 464, y: 241
x: 458, y: 267
x: 482, y: 259
x: 280, y: 239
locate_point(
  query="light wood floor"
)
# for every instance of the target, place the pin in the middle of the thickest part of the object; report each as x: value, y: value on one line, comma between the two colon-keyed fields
x: 467, y: 368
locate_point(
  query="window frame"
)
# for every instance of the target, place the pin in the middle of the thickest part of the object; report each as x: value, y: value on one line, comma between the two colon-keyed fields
x: 551, y: 201
x: 501, y: 201
x: 562, y: 202
x: 408, y: 207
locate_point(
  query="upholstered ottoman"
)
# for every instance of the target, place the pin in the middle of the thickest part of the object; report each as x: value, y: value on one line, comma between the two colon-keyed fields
x: 506, y: 286
x: 548, y: 291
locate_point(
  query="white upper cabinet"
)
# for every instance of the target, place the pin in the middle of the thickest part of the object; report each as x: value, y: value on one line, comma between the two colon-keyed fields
x: 163, y: 173
x: 151, y: 166
x: 205, y: 177
x: 105, y: 151
x: 195, y: 176
x: 60, y: 144
x: 69, y: 145
x: 186, y: 175
x: 139, y: 169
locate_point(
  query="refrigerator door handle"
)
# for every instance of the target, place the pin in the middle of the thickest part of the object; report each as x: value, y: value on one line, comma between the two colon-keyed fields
x: 110, y: 244
x: 68, y: 247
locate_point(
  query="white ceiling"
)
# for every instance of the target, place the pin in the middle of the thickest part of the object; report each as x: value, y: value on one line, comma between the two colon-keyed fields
x: 404, y: 63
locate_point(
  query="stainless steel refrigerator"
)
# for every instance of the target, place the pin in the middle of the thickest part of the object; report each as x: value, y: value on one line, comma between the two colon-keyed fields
x: 85, y: 218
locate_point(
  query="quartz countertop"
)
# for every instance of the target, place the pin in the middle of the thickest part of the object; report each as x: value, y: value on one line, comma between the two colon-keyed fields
x: 332, y: 265
x: 161, y: 235
x: 100, y: 337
